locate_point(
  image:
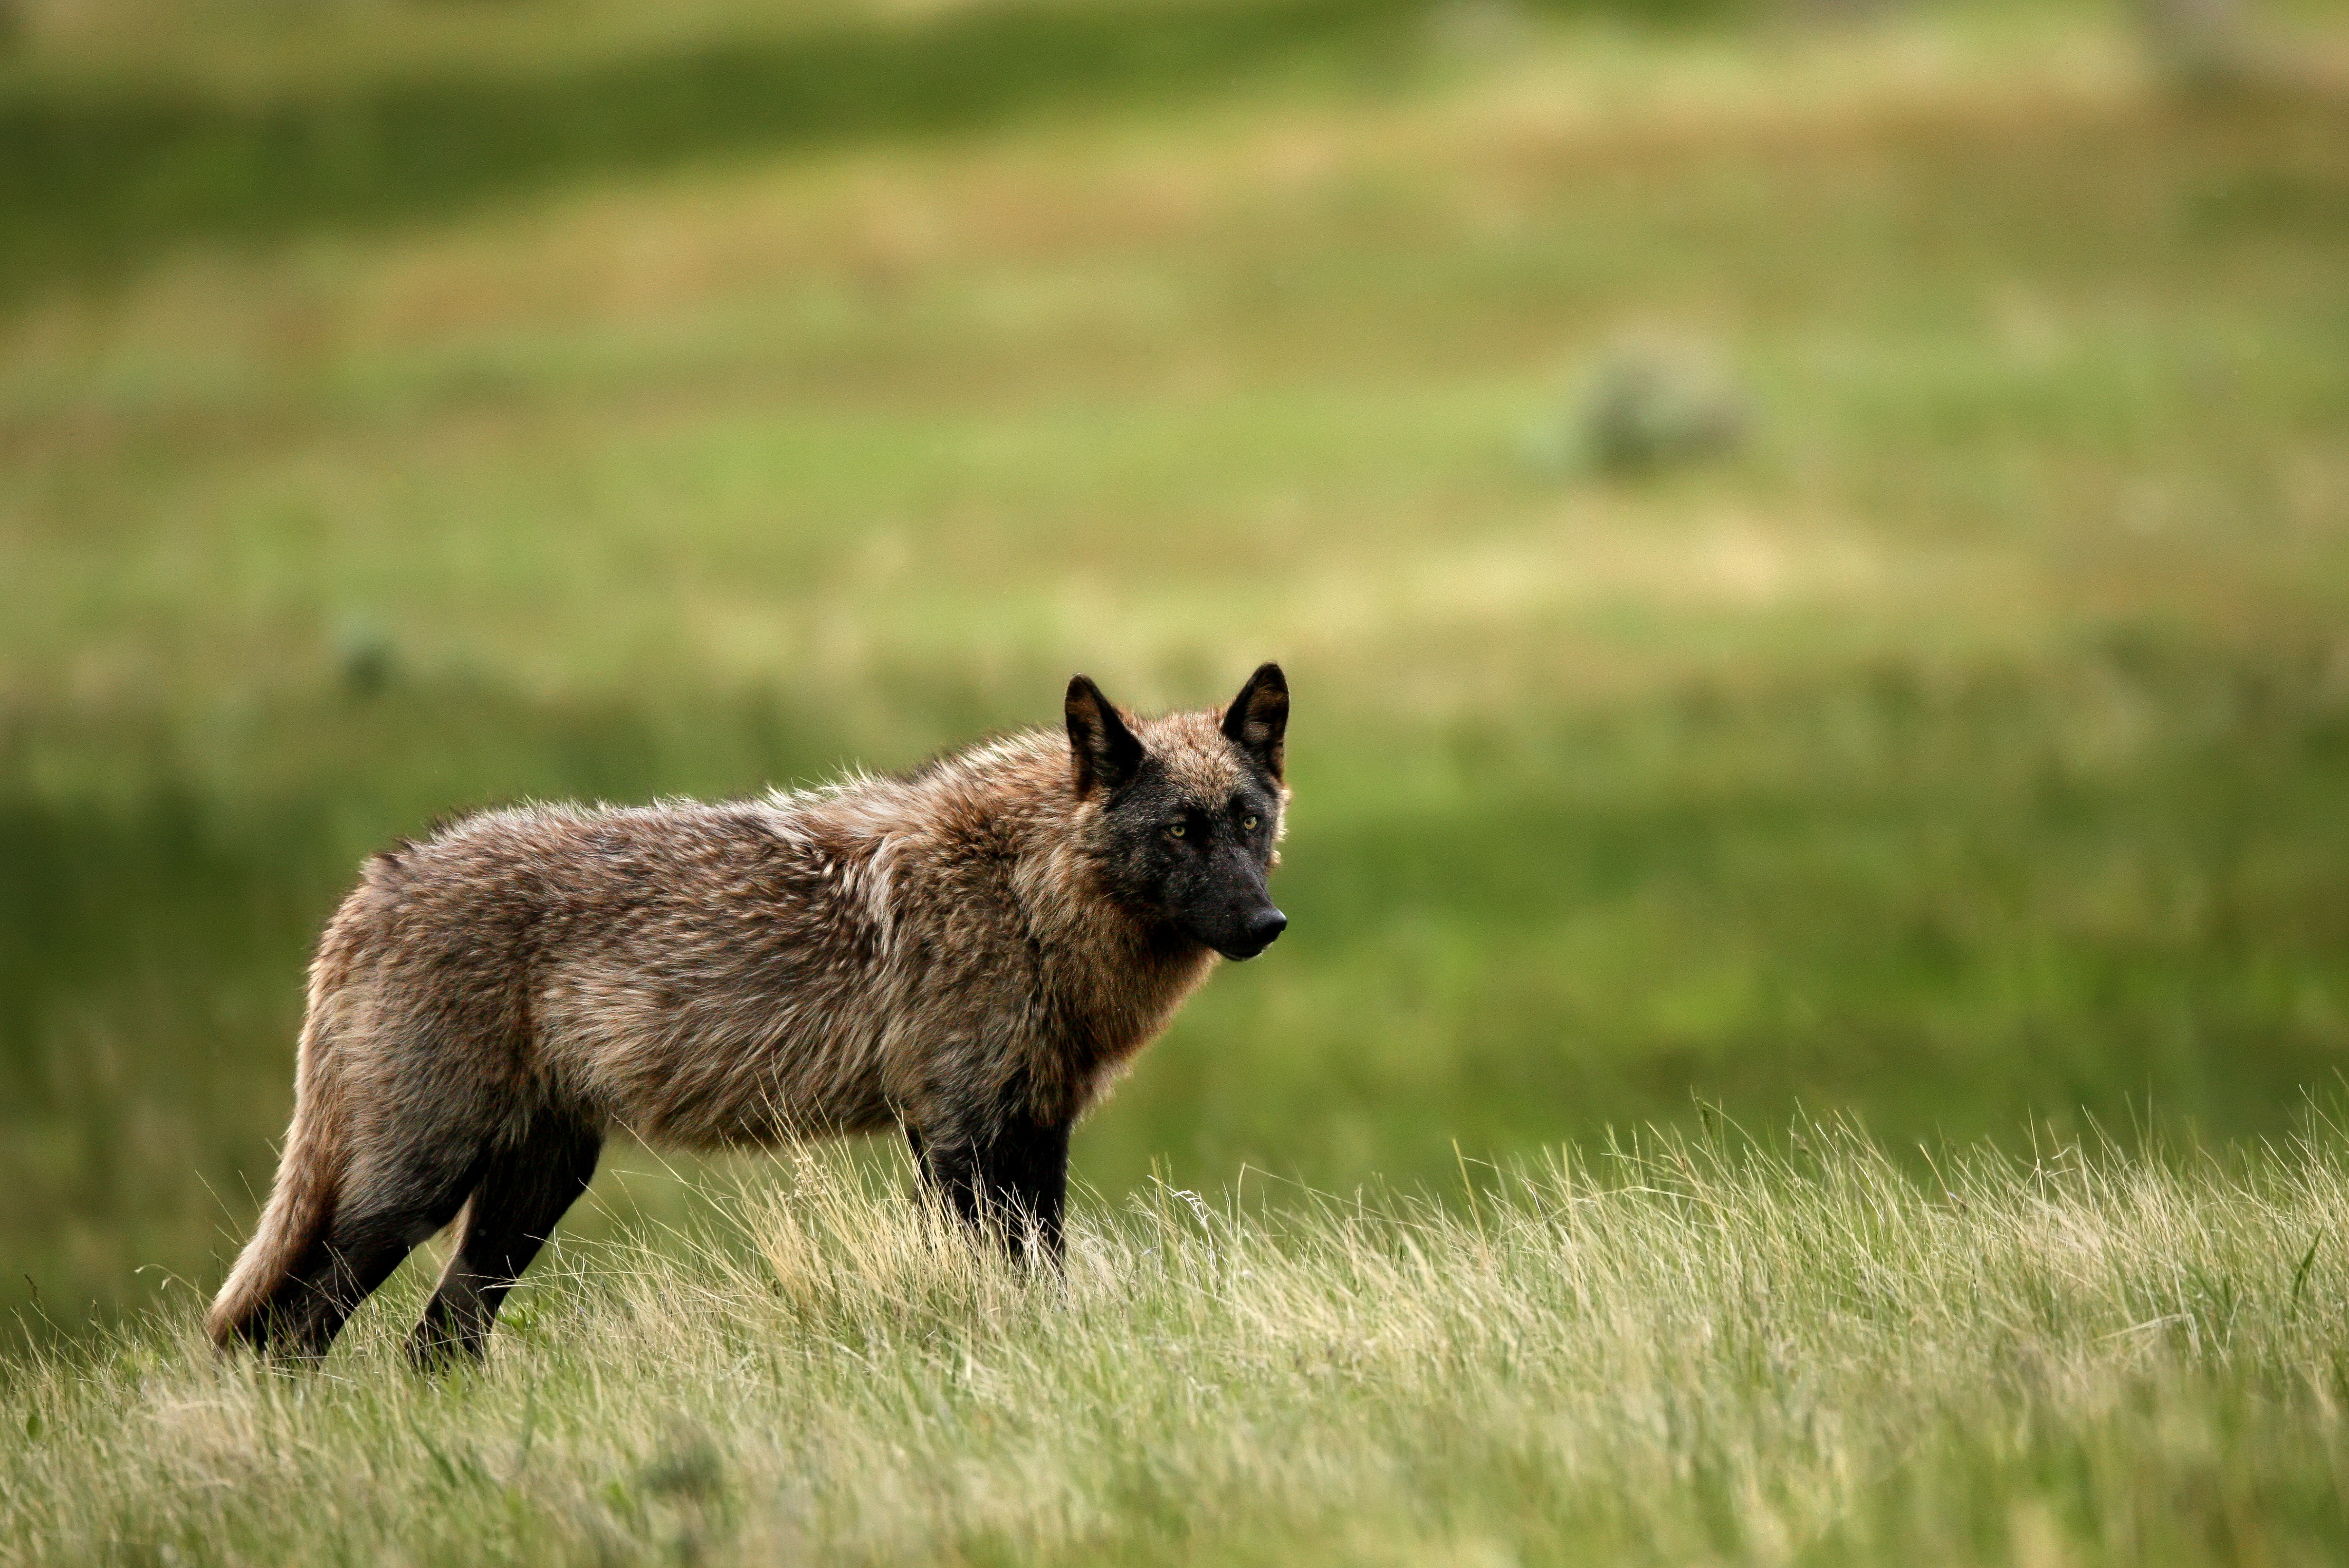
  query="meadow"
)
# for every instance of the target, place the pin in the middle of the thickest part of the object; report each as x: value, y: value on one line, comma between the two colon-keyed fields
x: 1689, y: 1350
x: 1964, y: 746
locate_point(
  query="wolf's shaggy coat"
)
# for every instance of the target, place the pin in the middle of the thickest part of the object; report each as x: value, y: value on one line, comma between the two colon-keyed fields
x: 970, y: 952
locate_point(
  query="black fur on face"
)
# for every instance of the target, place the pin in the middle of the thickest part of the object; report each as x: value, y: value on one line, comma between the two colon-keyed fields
x: 1198, y: 863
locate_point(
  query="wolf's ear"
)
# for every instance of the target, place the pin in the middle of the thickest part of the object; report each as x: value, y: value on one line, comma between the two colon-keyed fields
x: 1257, y: 720
x: 1101, y: 751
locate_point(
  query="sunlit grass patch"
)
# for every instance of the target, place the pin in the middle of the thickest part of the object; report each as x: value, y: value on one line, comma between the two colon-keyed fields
x: 1670, y: 1351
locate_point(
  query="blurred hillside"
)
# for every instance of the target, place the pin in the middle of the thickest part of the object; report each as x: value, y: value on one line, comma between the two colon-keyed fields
x: 144, y: 123
x: 408, y: 407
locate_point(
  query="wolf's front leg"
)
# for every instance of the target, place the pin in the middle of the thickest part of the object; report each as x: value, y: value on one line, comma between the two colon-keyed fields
x: 1008, y: 1183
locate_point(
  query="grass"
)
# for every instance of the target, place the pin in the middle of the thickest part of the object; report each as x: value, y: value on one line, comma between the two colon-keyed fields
x: 117, y: 146
x: 1688, y: 1350
x: 1963, y: 748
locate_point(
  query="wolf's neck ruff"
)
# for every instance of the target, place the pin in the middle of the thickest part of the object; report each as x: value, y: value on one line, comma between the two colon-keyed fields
x: 968, y: 952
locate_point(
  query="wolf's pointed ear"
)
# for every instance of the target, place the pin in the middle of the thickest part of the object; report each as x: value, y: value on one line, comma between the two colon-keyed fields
x: 1257, y: 720
x: 1101, y: 751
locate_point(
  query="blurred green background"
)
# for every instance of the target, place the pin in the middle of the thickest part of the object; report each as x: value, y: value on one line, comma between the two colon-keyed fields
x: 1811, y: 543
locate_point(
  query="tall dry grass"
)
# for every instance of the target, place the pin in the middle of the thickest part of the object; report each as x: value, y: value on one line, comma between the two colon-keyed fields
x: 1676, y: 1351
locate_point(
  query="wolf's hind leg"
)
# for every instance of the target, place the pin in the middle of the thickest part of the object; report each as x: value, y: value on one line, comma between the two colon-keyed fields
x: 380, y: 1218
x: 523, y: 1190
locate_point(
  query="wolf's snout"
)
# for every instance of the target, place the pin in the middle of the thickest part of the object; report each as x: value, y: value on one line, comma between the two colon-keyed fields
x: 1262, y: 926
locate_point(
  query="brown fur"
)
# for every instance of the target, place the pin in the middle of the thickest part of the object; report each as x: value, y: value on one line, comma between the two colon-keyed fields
x: 971, y: 951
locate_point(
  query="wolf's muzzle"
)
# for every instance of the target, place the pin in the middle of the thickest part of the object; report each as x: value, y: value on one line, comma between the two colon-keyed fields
x: 1262, y: 927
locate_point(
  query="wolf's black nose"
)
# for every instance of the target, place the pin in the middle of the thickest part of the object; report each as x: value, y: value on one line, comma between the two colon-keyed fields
x: 1263, y: 925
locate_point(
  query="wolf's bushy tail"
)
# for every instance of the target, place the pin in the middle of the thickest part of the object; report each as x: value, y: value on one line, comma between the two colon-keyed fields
x: 301, y: 1207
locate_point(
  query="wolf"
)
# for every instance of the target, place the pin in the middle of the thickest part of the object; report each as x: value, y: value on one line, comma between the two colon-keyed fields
x: 970, y: 952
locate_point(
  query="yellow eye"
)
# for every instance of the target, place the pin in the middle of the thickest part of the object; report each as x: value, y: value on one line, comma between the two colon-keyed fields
x: 1176, y: 829
x: 1249, y: 823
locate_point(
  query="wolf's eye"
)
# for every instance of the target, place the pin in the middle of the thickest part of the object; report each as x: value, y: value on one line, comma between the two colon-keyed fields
x: 1249, y: 823
x: 1176, y: 829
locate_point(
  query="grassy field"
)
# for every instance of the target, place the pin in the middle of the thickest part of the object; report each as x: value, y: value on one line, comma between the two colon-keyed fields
x: 1966, y: 745
x: 1671, y: 1354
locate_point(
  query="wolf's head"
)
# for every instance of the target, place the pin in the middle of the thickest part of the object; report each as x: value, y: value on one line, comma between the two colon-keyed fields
x: 1190, y: 809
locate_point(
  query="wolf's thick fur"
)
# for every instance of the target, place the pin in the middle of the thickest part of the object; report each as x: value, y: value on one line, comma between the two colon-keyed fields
x: 970, y: 952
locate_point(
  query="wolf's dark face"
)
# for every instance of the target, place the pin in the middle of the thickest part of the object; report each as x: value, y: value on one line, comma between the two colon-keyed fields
x: 1199, y: 859
x: 1191, y: 809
